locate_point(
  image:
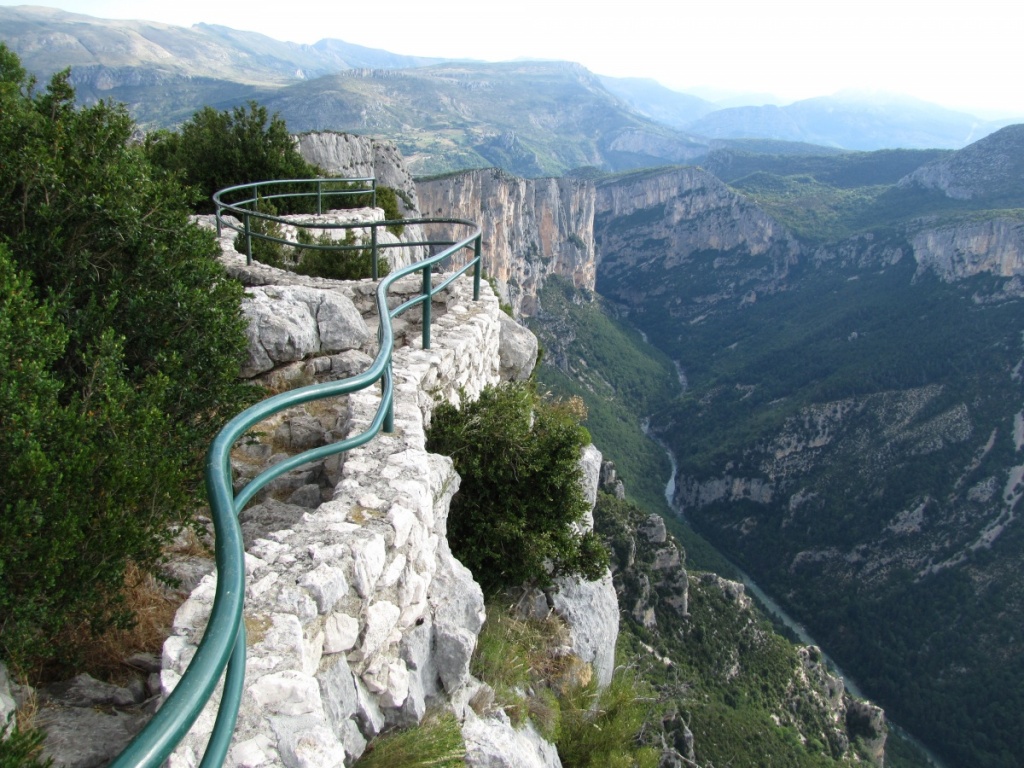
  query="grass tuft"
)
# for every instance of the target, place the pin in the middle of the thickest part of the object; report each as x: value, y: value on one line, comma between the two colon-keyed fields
x: 435, y: 743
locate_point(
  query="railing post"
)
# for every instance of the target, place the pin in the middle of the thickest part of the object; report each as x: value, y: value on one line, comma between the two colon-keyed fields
x: 477, y: 249
x: 319, y: 197
x: 248, y: 239
x: 373, y: 251
x: 389, y: 414
x: 427, y: 301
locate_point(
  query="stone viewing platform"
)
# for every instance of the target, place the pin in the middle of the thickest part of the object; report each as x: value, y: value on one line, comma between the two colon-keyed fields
x: 358, y: 616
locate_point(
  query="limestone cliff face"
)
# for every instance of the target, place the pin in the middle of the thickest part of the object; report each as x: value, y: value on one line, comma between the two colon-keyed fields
x: 659, y: 148
x: 961, y: 251
x: 681, y: 238
x: 689, y: 208
x: 350, y: 156
x: 531, y: 228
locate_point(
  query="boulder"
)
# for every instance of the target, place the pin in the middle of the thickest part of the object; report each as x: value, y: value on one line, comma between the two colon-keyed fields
x: 492, y: 742
x: 288, y: 322
x: 517, y: 350
x: 591, y: 611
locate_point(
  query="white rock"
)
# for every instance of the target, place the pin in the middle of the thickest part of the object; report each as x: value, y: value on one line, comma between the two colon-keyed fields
x: 591, y: 611
x: 316, y: 747
x: 398, y: 685
x: 494, y: 743
x: 393, y: 572
x: 517, y: 349
x: 287, y: 693
x: 284, y: 638
x: 402, y: 520
x: 369, y: 558
x: 381, y: 618
x: 291, y: 599
x: 590, y: 467
x: 7, y: 703
x: 458, y: 604
x: 327, y: 585
x: 340, y: 633
x: 251, y: 753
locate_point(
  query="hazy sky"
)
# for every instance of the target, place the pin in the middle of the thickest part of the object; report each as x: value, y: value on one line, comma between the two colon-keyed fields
x: 960, y: 54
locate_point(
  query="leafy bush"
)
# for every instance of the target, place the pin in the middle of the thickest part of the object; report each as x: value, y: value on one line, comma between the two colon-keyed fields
x: 120, y: 342
x: 515, y: 518
x: 264, y: 250
x: 215, y: 150
x: 337, y: 264
x: 343, y: 261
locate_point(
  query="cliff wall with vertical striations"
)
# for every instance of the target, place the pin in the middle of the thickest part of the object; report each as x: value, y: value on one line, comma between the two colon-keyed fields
x: 532, y: 228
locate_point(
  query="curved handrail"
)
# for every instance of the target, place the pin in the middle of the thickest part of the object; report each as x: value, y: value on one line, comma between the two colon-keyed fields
x: 222, y: 649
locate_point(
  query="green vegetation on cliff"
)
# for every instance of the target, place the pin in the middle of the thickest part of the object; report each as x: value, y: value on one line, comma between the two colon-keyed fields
x: 120, y: 341
x: 587, y: 353
x: 514, y: 519
x: 729, y: 687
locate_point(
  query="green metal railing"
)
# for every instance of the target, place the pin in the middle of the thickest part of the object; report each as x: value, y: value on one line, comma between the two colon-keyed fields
x: 222, y: 650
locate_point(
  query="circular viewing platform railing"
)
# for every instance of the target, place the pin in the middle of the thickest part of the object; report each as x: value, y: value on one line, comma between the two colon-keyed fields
x: 247, y: 209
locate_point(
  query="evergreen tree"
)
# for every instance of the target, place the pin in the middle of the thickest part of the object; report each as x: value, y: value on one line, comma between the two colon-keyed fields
x: 120, y: 345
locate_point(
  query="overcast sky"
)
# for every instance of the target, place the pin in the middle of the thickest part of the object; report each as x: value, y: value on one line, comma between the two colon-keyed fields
x: 965, y: 55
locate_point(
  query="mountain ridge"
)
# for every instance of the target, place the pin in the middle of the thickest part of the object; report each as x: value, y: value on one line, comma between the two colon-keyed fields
x: 165, y: 73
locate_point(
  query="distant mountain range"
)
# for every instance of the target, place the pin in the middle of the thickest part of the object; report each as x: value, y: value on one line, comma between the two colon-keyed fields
x: 533, y: 119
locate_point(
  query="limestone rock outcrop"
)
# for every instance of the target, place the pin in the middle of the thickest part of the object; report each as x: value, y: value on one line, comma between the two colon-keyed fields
x: 518, y: 350
x: 649, y: 223
x: 288, y: 323
x: 349, y: 156
x: 985, y: 168
x: 496, y: 743
x: 531, y: 228
x: 957, y: 252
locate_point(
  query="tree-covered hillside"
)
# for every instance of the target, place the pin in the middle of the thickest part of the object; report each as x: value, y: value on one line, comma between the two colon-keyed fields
x: 850, y: 431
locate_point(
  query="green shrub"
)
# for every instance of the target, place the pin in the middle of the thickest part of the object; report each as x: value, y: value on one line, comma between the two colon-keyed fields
x: 387, y: 199
x: 20, y: 749
x: 214, y: 150
x: 515, y: 518
x: 337, y: 264
x: 264, y: 250
x: 120, y: 343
